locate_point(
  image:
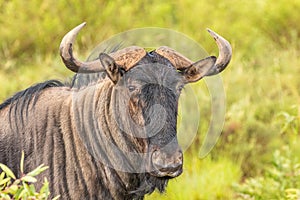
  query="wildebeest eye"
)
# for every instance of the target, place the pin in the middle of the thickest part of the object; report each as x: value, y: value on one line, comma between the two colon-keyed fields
x: 132, y: 88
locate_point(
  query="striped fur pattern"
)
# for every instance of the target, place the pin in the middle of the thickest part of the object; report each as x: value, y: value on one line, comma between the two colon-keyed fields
x: 68, y: 127
x: 111, y: 133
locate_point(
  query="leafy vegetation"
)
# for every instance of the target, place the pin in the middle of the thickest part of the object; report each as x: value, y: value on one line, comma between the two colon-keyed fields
x: 281, y: 179
x: 261, y: 83
x: 22, y: 187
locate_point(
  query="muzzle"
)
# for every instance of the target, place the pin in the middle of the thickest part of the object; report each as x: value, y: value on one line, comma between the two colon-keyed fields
x: 166, y: 163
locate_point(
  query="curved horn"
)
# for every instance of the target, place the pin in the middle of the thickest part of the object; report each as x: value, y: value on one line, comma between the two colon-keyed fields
x: 66, y: 53
x: 181, y: 62
x: 126, y: 57
x: 225, y: 53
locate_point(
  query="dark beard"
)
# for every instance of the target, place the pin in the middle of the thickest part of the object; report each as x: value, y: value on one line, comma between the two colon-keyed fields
x: 148, y: 184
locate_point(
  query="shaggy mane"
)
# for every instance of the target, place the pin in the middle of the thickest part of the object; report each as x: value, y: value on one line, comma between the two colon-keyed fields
x: 25, y: 96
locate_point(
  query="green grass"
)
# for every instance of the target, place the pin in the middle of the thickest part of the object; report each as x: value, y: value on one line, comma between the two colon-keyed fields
x: 261, y: 83
x: 203, y: 179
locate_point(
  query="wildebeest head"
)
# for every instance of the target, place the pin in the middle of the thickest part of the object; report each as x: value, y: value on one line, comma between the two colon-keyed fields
x: 147, y: 87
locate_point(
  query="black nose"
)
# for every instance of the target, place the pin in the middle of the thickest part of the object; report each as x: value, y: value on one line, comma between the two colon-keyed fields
x: 167, y: 165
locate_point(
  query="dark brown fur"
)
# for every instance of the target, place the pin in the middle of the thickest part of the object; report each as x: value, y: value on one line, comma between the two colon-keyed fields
x: 55, y: 120
x: 110, y: 134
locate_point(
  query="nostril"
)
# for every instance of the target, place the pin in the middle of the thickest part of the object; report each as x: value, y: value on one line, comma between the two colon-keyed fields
x: 158, y: 161
x: 180, y: 156
x: 179, y: 161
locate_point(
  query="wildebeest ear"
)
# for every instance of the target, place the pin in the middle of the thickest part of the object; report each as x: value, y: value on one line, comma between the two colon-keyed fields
x: 198, y: 69
x: 112, y: 69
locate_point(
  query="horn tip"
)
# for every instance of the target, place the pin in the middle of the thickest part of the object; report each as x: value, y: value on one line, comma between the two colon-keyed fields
x: 82, y: 24
x: 79, y: 27
x: 212, y: 33
x: 70, y: 36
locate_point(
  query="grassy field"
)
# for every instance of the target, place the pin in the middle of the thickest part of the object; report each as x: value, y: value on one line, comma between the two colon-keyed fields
x: 257, y: 155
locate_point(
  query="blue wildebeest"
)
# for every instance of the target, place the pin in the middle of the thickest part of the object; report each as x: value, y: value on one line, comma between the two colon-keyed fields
x: 111, y: 133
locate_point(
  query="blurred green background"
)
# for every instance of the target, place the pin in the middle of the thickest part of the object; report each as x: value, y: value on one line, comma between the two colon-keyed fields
x: 257, y: 155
